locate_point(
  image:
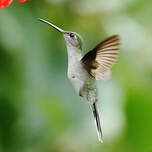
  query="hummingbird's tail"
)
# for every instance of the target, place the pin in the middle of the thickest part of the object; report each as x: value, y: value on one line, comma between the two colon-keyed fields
x: 97, y: 121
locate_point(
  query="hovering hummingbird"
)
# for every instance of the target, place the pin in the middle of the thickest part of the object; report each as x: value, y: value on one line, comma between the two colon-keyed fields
x: 83, y: 71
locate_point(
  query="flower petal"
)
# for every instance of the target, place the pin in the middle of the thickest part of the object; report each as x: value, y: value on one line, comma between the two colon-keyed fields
x: 5, y: 3
x: 22, y: 1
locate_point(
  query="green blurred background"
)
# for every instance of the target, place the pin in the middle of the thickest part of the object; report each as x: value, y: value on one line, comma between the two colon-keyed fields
x: 40, y: 111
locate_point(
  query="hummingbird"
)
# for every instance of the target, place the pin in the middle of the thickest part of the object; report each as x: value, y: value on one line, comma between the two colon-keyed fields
x: 84, y: 71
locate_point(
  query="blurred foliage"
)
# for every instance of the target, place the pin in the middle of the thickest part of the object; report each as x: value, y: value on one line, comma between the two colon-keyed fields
x: 39, y: 110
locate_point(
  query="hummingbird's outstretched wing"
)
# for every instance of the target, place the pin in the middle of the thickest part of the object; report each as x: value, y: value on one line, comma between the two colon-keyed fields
x: 99, y: 61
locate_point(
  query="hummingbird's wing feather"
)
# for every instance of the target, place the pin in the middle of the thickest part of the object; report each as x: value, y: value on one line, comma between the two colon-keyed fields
x: 99, y: 61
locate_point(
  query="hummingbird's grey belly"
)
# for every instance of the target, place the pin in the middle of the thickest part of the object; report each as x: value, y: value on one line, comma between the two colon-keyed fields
x: 80, y: 78
x: 77, y: 75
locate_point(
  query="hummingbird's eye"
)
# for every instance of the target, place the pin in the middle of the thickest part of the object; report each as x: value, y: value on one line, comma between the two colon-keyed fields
x: 72, y: 35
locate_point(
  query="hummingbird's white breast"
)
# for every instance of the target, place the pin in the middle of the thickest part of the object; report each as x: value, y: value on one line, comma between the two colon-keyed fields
x: 76, y: 72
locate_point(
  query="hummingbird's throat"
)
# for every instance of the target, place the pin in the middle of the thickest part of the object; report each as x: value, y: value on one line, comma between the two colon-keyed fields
x: 73, y: 53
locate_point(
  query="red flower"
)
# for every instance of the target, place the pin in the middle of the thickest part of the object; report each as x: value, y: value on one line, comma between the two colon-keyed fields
x: 22, y: 1
x: 5, y: 3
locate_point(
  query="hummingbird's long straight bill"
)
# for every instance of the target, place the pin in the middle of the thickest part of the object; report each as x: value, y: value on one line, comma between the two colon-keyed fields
x: 54, y: 26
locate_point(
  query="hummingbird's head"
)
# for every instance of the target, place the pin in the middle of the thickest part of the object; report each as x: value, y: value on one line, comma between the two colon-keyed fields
x: 72, y: 39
